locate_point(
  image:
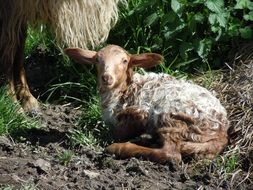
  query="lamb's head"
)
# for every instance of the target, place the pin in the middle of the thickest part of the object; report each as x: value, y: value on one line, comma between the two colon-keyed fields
x: 114, y: 64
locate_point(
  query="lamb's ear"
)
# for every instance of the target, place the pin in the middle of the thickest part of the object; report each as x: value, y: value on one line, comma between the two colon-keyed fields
x: 146, y: 60
x: 82, y: 56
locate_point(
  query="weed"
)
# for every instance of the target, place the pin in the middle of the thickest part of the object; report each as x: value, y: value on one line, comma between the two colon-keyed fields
x: 92, y: 112
x: 227, y: 164
x: 83, y: 138
x: 65, y: 157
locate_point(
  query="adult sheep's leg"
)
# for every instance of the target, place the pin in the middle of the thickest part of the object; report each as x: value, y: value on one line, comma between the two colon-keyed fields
x: 8, y: 75
x: 6, y: 62
x: 29, y: 103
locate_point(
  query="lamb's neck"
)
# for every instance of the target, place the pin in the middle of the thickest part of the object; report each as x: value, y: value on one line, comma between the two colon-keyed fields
x: 112, y: 96
x: 111, y: 103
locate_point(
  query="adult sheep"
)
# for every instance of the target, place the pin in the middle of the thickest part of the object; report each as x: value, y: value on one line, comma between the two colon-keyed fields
x: 79, y: 23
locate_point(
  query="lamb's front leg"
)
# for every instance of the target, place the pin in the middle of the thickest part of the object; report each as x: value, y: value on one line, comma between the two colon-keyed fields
x: 168, y: 152
x: 132, y: 122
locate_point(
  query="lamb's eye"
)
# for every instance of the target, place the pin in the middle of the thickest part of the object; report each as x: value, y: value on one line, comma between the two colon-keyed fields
x: 100, y: 61
x: 125, y: 61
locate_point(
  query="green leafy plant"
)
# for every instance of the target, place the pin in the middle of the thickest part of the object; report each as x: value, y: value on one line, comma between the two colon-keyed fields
x: 190, y: 34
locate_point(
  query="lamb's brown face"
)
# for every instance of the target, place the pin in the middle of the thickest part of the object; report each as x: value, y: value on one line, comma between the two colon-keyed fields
x: 112, y: 65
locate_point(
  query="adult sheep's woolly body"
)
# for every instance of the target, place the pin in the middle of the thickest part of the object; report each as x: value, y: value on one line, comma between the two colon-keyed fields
x: 79, y: 23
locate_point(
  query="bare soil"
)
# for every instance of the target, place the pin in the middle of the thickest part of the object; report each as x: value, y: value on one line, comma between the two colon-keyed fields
x: 36, y: 161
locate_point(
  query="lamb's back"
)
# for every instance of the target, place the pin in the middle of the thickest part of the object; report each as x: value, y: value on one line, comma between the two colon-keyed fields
x: 162, y: 93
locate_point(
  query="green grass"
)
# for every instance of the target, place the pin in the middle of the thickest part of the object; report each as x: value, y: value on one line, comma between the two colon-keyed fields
x: 92, y: 130
x: 83, y: 137
x: 228, y: 164
x: 38, y: 39
x: 12, y: 122
x: 72, y: 83
x: 65, y: 157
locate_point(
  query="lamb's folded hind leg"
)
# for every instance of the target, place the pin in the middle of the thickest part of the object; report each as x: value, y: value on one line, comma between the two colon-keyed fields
x: 29, y: 103
x: 198, y: 138
x: 209, y: 149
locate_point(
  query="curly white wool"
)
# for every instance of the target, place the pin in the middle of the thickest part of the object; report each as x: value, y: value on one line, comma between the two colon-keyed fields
x: 161, y: 93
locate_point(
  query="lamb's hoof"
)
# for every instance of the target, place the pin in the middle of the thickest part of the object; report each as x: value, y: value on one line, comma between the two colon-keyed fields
x: 113, y: 149
x: 120, y: 150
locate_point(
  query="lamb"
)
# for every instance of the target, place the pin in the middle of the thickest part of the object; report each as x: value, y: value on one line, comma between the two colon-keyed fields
x: 74, y: 23
x: 184, y: 119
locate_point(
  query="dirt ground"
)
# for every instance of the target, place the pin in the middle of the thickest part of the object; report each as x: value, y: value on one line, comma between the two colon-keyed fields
x: 36, y: 163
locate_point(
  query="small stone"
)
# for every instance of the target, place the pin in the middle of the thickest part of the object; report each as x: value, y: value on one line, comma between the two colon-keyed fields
x: 90, y: 174
x: 5, y: 143
x: 42, y: 165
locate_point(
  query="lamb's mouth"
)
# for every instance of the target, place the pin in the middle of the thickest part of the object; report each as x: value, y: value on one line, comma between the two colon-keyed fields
x: 107, y: 85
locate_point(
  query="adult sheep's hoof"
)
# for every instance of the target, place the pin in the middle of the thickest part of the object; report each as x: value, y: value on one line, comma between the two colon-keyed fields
x: 31, y: 106
x: 34, y: 112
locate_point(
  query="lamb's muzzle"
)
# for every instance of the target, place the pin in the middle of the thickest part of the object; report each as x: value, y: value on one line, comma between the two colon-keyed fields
x: 181, y: 117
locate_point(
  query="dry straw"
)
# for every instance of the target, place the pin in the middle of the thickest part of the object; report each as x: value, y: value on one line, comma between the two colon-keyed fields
x: 234, y: 88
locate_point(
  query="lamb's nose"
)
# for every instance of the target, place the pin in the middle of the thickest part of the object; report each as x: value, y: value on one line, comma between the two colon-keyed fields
x: 107, y: 79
